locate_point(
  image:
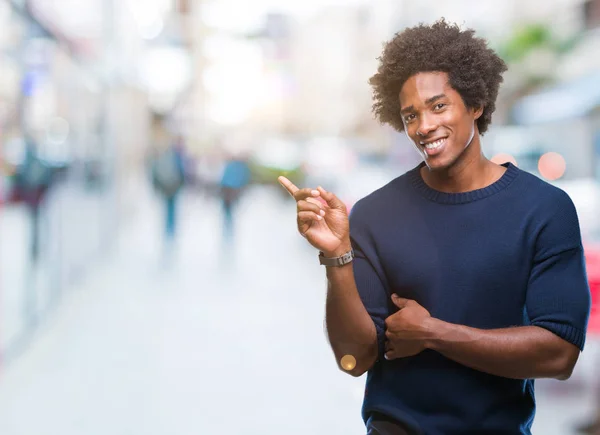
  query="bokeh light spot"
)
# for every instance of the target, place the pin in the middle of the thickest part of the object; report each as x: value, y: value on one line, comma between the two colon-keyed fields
x: 348, y: 362
x: 552, y: 166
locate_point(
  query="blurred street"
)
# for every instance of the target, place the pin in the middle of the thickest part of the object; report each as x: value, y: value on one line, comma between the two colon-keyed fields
x: 216, y: 339
x: 204, y: 343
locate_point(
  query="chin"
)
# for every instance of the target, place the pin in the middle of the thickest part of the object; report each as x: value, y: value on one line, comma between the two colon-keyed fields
x: 444, y: 161
x: 438, y: 165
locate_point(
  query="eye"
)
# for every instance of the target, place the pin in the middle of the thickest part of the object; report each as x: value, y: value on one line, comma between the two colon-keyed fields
x: 439, y: 106
x: 409, y: 118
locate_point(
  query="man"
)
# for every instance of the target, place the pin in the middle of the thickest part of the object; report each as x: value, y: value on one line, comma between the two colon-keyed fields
x: 234, y: 180
x: 168, y: 177
x: 33, y: 179
x: 461, y: 281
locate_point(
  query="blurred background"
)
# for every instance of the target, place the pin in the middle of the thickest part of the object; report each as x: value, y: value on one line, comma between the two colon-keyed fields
x: 151, y: 277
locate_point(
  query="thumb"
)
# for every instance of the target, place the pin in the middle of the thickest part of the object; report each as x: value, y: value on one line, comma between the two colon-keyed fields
x: 332, y: 200
x: 399, y: 302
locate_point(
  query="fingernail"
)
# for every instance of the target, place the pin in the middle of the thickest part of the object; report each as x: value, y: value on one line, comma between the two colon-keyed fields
x: 385, y: 356
x: 315, y: 192
x: 394, y: 295
x: 322, y: 212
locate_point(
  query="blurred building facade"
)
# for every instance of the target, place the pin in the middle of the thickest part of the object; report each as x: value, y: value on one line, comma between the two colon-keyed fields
x: 70, y: 83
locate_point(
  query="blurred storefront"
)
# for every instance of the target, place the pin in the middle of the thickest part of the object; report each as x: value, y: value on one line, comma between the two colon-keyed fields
x: 53, y: 104
x: 79, y: 85
x: 569, y: 115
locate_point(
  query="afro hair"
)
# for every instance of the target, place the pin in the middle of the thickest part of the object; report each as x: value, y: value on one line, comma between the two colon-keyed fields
x: 474, y: 70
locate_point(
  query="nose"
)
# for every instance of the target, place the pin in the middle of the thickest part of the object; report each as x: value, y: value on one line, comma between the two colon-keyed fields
x: 426, y: 125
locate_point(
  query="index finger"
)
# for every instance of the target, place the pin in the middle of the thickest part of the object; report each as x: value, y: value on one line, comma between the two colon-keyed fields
x: 289, y: 186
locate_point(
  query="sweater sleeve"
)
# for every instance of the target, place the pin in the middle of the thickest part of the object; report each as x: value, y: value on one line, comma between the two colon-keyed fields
x: 369, y: 276
x: 558, y: 294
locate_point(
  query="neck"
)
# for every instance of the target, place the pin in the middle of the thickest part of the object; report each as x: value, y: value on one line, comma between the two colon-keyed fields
x: 471, y: 171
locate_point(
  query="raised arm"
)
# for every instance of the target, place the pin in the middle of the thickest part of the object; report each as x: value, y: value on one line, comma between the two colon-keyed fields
x: 323, y: 220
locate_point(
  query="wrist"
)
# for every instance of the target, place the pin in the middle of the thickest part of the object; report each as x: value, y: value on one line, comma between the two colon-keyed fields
x: 339, y: 251
x: 435, y: 331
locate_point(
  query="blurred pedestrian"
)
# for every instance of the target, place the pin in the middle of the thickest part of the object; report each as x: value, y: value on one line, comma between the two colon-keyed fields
x: 32, y: 180
x: 234, y: 180
x: 168, y: 177
x: 461, y: 281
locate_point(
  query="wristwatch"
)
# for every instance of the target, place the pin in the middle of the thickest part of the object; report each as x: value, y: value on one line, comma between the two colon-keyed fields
x: 336, y: 261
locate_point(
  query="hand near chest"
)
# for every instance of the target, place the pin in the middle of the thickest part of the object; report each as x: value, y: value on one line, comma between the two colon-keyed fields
x: 407, y: 330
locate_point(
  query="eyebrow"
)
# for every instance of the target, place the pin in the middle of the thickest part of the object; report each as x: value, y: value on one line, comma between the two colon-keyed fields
x: 427, y: 102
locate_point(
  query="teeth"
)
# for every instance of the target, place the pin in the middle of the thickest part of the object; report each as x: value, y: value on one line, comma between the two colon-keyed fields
x: 435, y: 144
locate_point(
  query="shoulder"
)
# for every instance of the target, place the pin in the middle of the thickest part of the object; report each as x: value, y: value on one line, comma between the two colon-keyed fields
x: 554, y: 216
x: 544, y: 197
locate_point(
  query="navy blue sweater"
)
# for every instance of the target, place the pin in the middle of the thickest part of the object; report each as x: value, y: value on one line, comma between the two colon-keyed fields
x: 509, y: 254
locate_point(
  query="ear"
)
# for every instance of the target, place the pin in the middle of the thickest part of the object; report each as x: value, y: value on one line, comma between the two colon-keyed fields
x: 477, y: 112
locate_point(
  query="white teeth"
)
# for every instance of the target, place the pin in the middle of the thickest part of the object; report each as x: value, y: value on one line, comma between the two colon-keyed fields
x: 435, y: 144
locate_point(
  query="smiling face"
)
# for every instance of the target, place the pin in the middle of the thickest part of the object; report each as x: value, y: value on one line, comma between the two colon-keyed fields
x: 437, y: 121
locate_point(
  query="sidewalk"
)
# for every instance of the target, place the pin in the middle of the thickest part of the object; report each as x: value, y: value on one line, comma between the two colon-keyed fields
x: 216, y: 343
x: 70, y: 234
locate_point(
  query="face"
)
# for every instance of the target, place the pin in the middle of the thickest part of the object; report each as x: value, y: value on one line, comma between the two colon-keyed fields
x: 436, y: 119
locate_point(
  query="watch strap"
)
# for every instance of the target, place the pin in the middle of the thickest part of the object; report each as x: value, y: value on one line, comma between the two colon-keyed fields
x: 336, y: 261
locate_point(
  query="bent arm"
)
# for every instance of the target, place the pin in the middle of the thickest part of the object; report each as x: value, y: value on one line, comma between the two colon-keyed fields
x: 350, y: 329
x: 557, y: 306
x: 525, y: 352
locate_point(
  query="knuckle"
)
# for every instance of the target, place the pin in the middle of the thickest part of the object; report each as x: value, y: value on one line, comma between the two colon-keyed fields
x: 300, y: 194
